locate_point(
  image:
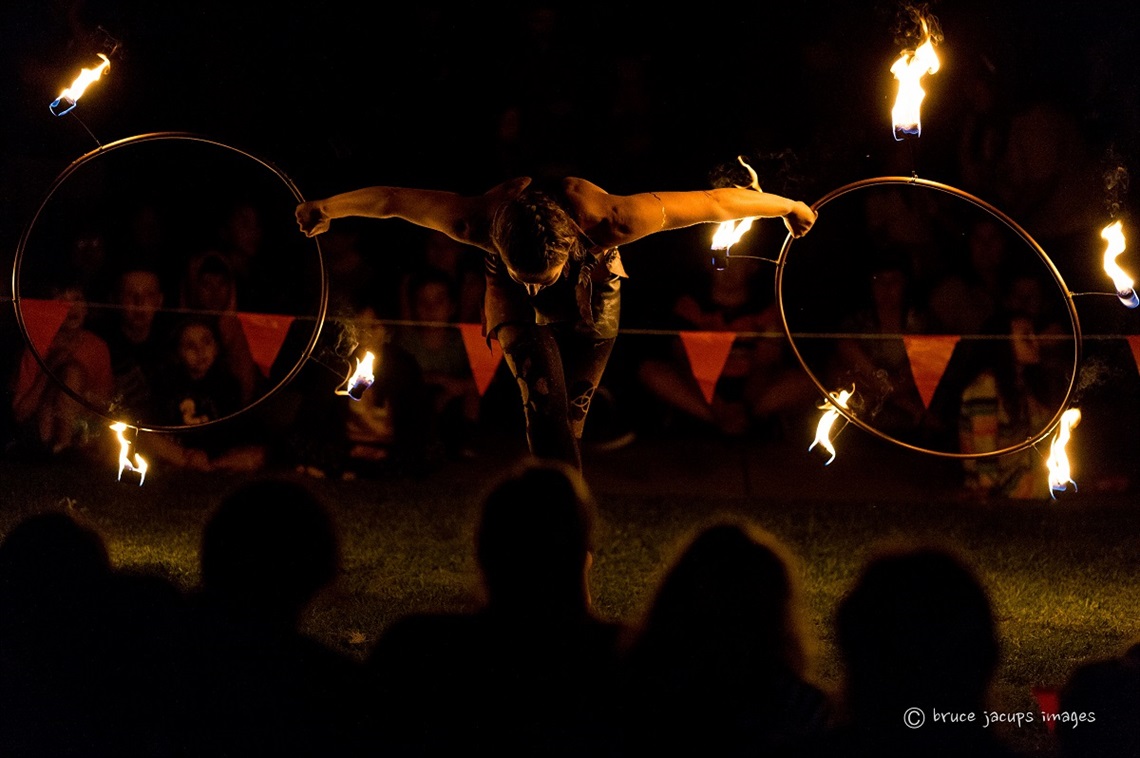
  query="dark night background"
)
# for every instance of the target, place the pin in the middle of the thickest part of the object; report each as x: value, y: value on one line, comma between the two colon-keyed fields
x: 462, y: 97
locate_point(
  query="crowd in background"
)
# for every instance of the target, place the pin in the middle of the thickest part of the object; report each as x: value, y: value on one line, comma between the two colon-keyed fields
x: 1046, y: 139
x: 154, y: 334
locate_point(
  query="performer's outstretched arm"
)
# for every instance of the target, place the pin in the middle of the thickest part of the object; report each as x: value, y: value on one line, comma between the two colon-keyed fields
x: 463, y: 218
x: 614, y: 220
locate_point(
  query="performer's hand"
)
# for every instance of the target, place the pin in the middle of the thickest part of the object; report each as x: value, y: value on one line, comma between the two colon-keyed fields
x: 800, y: 219
x: 312, y: 219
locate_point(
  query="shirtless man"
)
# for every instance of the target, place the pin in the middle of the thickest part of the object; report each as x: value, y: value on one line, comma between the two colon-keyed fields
x: 553, y: 272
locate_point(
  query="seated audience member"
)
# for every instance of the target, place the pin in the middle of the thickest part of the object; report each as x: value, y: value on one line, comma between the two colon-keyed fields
x: 438, y: 349
x: 50, y: 419
x: 84, y: 649
x: 209, y: 287
x: 253, y: 683
x: 392, y: 421
x: 916, y: 631
x: 326, y: 433
x: 136, y: 333
x: 717, y: 667
x: 197, y: 388
x: 463, y: 272
x: 54, y: 576
x: 531, y: 672
x: 1098, y: 708
x: 1004, y: 388
x: 877, y: 364
x: 760, y: 388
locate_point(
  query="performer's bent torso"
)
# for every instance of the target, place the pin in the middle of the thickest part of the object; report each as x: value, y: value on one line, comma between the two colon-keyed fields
x: 557, y: 343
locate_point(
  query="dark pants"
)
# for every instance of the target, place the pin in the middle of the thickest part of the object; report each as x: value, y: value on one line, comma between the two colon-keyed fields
x: 557, y: 371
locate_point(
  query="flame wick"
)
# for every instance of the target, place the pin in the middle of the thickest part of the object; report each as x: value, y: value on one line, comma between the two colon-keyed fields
x: 827, y: 421
x: 361, y: 378
x: 1113, y: 234
x: 139, y: 465
x: 728, y: 233
x: 1060, y: 475
x: 909, y: 69
x: 72, y: 94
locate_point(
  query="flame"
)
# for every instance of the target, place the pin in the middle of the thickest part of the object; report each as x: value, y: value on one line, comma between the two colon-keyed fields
x: 827, y: 420
x: 72, y: 94
x: 139, y: 466
x: 1114, y: 235
x: 728, y: 233
x: 360, y: 379
x: 1060, y: 476
x: 909, y: 70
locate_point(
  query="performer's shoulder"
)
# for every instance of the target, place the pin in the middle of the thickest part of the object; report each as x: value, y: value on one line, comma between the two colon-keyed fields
x: 573, y: 185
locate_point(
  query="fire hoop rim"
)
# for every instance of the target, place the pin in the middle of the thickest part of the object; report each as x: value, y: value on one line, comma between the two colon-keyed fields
x: 1013, y: 226
x: 137, y: 139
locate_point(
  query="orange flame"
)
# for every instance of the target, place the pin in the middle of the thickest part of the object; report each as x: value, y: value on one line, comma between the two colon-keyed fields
x: 1113, y: 234
x: 86, y: 76
x: 1060, y: 475
x: 360, y: 379
x: 139, y: 466
x: 728, y: 233
x: 828, y: 419
x: 909, y: 70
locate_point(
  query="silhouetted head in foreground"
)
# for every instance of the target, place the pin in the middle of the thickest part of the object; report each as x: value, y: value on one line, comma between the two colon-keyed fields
x: 534, y: 539
x: 51, y: 559
x: 916, y: 631
x: 1100, y: 705
x: 268, y: 549
x: 728, y: 605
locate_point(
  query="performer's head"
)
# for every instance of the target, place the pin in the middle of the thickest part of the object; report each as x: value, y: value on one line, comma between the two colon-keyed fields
x: 535, y: 238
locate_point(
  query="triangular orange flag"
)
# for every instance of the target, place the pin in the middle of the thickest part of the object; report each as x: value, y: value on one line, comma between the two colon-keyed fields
x: 265, y: 332
x: 707, y: 353
x: 929, y: 354
x: 484, y: 362
x: 42, y: 319
x: 1134, y: 343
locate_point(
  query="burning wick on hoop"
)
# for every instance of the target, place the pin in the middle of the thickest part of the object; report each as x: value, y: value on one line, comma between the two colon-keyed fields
x: 728, y: 233
x: 827, y: 421
x: 136, y: 468
x: 360, y: 379
x: 1114, y: 235
x: 1060, y: 475
x: 70, y: 96
x: 909, y: 70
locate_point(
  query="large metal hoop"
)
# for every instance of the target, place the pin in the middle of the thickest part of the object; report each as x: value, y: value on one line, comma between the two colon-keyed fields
x: 136, y: 140
x: 1017, y: 230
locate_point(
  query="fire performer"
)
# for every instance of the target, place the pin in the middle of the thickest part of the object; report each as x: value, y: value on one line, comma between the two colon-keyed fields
x: 553, y: 272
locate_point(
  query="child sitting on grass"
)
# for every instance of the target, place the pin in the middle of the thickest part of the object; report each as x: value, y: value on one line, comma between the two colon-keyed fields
x: 197, y: 389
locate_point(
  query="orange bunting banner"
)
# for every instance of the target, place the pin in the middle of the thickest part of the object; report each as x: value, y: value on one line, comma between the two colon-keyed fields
x: 707, y: 352
x: 42, y: 319
x: 928, y: 356
x: 265, y: 333
x: 1134, y: 343
x: 484, y: 360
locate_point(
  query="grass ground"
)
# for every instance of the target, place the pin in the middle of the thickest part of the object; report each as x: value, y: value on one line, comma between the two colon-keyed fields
x: 1062, y: 575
